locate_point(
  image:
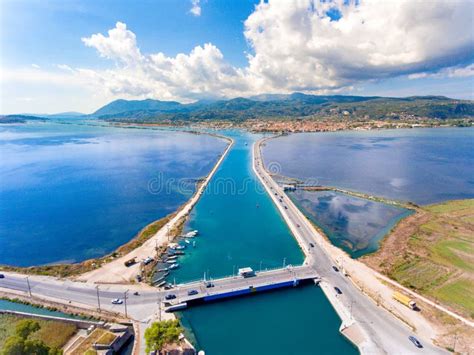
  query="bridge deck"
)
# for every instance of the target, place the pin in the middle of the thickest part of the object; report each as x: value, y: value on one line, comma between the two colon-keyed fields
x: 238, y: 285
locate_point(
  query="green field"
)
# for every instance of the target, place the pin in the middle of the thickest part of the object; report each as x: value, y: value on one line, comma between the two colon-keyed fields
x: 439, y: 259
x: 52, y: 333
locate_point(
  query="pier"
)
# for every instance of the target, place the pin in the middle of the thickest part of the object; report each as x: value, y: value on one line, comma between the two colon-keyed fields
x: 290, y: 276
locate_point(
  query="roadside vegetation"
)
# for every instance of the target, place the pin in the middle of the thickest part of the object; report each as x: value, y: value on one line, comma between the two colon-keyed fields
x: 432, y: 253
x: 160, y: 334
x: 28, y: 336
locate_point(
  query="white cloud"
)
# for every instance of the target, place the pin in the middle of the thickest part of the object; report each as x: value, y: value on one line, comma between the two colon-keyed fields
x: 453, y: 72
x: 295, y: 46
x: 36, y: 66
x: 195, y: 8
x: 120, y: 45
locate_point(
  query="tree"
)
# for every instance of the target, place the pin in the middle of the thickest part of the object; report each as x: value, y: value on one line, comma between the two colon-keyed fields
x: 19, y: 344
x: 26, y: 327
x: 14, y: 345
x: 161, y: 333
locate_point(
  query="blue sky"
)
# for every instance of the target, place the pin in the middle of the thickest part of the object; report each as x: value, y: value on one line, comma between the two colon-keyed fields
x: 51, y: 62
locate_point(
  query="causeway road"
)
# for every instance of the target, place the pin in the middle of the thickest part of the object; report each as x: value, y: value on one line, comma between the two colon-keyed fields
x: 376, y: 330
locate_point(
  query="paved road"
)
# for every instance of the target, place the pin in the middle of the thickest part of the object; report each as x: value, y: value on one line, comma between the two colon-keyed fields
x: 229, y: 284
x: 387, y: 333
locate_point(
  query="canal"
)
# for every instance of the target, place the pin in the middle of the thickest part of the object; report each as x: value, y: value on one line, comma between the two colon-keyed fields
x: 239, y: 226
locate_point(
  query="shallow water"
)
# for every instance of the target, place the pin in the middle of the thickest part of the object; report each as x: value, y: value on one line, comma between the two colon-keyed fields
x: 356, y: 225
x: 69, y: 192
x: 425, y: 165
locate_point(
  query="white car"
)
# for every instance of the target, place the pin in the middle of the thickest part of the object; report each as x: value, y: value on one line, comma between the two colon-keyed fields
x: 117, y: 301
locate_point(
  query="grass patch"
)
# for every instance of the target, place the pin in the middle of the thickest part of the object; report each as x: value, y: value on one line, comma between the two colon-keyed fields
x: 53, y: 333
x: 437, y: 258
x: 457, y: 292
x: 86, y: 345
x: 106, y: 338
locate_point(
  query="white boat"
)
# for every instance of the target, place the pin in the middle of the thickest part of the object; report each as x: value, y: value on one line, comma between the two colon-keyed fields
x: 180, y: 247
x: 191, y: 234
x: 187, y: 241
x: 170, y: 262
x: 174, y: 266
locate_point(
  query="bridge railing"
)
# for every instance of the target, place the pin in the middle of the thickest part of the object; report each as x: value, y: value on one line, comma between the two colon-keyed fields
x: 257, y: 272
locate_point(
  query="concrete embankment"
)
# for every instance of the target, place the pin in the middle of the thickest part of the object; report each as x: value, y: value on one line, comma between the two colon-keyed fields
x: 80, y: 323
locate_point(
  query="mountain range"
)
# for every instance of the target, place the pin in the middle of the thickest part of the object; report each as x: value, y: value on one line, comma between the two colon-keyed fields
x: 296, y: 105
x: 268, y: 106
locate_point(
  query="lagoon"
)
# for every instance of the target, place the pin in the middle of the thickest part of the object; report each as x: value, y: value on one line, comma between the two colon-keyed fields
x: 425, y: 165
x: 73, y: 192
x: 354, y: 224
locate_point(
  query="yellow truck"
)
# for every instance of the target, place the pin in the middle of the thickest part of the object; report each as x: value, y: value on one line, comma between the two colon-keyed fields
x: 405, y: 300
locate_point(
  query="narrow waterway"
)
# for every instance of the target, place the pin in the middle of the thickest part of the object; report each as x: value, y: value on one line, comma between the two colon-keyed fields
x: 26, y: 308
x: 239, y: 226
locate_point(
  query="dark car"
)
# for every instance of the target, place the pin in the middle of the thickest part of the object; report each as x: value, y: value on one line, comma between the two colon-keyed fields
x: 335, y: 268
x: 338, y: 290
x: 170, y: 297
x: 310, y: 244
x: 209, y: 285
x: 192, y: 292
x: 2, y: 276
x: 415, y: 341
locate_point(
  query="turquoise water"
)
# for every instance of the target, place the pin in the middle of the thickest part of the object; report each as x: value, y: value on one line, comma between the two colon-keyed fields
x: 69, y: 192
x: 296, y: 321
x: 425, y: 165
x: 238, y: 224
x: 356, y: 225
x: 19, y: 307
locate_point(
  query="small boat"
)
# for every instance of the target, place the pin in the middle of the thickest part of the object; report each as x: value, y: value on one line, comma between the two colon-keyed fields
x: 179, y: 252
x: 194, y: 244
x: 180, y: 247
x: 191, y: 234
x: 187, y: 241
x: 174, y: 266
x: 159, y: 280
x: 162, y: 283
x: 170, y: 261
x: 174, y: 257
